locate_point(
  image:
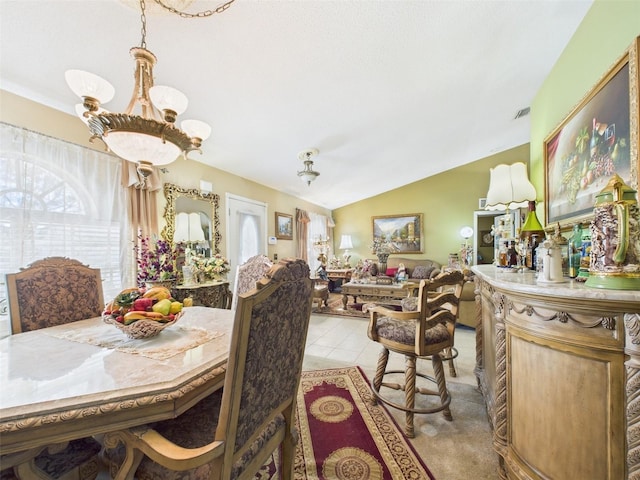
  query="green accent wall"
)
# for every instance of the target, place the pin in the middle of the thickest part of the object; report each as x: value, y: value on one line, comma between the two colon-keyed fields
x: 602, y: 38
x: 447, y: 202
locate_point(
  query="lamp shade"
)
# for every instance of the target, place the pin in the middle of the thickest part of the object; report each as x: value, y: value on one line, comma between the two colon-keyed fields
x: 509, y: 187
x: 345, y: 242
x: 196, y: 128
x: 168, y: 98
x: 86, y: 84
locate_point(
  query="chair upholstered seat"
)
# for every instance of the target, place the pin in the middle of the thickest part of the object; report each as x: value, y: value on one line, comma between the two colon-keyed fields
x: 78, y: 459
x: 405, y: 332
x: 193, y: 429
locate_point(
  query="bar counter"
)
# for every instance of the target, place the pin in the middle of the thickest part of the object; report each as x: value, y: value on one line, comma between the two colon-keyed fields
x: 559, y: 367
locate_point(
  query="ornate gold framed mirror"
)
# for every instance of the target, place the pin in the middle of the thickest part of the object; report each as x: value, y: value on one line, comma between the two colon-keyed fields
x: 192, y: 203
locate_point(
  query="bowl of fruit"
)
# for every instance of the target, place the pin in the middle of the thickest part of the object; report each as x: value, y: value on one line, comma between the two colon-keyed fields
x: 140, y: 313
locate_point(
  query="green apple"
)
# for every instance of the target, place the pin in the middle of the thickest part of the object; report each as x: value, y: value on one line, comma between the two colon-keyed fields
x: 162, y: 306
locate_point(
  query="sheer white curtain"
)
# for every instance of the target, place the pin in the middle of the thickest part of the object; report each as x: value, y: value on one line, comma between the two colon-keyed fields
x: 60, y: 199
x: 316, y: 230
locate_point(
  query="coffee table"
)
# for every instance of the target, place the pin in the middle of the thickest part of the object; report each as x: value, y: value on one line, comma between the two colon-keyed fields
x: 376, y: 293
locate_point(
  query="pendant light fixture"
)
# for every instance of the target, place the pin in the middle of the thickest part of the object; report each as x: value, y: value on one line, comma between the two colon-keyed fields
x: 308, y: 175
x: 150, y: 137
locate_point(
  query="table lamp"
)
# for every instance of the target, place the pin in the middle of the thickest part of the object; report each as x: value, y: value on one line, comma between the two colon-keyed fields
x: 346, y: 244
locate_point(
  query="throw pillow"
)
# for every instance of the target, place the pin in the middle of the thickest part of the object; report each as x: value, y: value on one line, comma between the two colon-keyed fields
x: 422, y: 271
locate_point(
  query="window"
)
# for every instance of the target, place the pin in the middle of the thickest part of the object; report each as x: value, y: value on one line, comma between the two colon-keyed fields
x: 60, y: 199
x: 317, y: 231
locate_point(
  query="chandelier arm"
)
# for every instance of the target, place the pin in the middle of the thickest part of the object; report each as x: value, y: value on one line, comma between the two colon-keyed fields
x: 203, y: 14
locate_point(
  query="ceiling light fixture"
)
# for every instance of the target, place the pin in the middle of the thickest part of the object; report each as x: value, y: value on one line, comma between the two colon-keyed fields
x: 150, y: 138
x: 308, y: 175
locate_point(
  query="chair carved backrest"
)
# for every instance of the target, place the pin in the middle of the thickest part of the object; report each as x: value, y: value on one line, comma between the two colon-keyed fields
x: 53, y: 291
x: 248, y: 274
x: 439, y: 302
x: 256, y: 413
x: 267, y: 348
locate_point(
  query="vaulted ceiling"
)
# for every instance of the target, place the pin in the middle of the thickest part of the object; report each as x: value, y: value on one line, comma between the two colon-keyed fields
x: 388, y: 91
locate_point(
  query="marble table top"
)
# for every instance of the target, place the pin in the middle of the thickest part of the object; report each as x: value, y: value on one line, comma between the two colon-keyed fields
x: 71, y: 380
x: 527, y: 282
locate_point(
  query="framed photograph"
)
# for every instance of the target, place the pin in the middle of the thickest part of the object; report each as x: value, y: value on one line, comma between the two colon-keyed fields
x: 402, y: 232
x: 284, y: 226
x: 598, y: 139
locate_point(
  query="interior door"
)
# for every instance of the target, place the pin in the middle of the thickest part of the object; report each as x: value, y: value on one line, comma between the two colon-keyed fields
x: 246, y: 231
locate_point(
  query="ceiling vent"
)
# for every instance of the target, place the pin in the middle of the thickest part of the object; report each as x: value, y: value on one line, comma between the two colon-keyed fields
x: 522, y: 113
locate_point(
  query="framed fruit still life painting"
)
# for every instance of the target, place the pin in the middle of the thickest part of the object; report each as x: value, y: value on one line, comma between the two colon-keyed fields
x: 598, y: 139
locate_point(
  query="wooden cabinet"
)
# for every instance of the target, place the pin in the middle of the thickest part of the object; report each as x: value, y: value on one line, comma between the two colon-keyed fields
x: 212, y: 294
x: 559, y: 367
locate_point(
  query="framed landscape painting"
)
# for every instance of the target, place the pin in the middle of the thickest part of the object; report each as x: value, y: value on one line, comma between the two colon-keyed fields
x: 284, y: 226
x: 598, y: 139
x: 403, y: 233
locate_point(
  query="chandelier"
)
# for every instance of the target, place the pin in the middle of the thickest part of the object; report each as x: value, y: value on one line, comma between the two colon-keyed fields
x: 151, y: 137
x: 308, y: 175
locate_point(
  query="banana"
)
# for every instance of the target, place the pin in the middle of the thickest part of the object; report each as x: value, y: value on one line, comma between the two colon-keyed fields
x: 159, y: 293
x: 134, y: 316
x: 131, y: 317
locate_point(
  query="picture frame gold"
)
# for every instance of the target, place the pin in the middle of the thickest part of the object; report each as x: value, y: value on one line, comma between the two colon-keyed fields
x: 403, y: 231
x: 284, y: 226
x: 597, y: 139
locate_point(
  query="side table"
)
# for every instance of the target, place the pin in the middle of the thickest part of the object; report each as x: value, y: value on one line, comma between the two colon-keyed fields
x: 342, y: 274
x: 214, y: 294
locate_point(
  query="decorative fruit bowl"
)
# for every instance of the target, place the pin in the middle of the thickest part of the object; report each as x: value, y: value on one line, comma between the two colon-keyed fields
x: 140, y: 313
x: 142, y: 328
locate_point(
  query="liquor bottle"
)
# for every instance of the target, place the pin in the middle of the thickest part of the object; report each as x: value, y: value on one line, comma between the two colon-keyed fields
x: 575, y: 250
x: 512, y: 255
x: 503, y: 256
x: 531, y: 225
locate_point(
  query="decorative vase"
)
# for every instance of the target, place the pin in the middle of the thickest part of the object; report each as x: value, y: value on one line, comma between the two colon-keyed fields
x: 382, y: 263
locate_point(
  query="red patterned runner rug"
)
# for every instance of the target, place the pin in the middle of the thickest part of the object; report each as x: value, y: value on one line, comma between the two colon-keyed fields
x: 343, y: 436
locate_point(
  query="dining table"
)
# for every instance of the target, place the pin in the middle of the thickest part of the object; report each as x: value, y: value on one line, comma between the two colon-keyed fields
x: 87, y: 377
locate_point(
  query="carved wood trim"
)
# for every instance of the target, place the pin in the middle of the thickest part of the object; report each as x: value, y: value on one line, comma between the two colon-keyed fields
x: 563, y: 317
x: 113, y: 407
x: 632, y: 388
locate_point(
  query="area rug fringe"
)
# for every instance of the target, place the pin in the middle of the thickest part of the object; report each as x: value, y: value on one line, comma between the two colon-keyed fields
x: 344, y: 436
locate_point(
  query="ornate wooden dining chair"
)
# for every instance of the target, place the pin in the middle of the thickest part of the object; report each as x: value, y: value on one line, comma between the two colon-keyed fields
x: 232, y: 433
x: 248, y: 274
x: 53, y: 291
x: 427, y: 332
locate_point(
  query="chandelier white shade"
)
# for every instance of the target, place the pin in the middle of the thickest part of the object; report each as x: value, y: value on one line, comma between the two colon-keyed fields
x: 509, y: 187
x: 149, y: 137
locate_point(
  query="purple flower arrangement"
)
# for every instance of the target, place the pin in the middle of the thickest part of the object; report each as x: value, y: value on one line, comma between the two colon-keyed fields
x: 156, y: 260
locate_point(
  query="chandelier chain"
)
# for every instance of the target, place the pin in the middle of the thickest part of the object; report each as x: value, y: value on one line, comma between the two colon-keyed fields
x: 143, y: 18
x: 205, y: 13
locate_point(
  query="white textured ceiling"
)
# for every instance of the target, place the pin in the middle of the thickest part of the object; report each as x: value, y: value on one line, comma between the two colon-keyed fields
x: 389, y: 92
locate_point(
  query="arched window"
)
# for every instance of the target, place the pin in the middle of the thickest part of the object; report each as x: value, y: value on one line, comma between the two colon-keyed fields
x: 60, y: 199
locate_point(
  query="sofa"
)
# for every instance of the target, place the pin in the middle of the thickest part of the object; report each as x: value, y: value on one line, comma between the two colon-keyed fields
x: 427, y: 268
